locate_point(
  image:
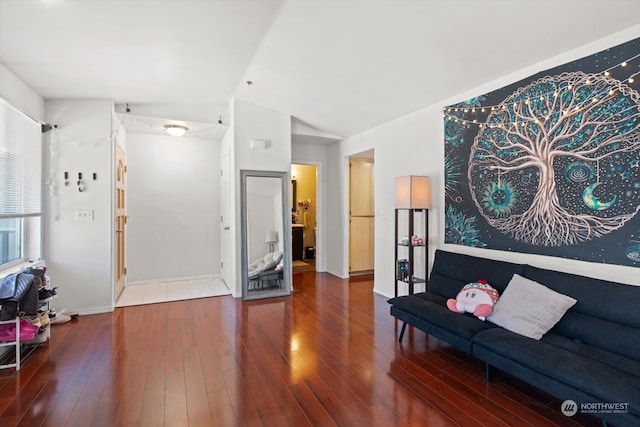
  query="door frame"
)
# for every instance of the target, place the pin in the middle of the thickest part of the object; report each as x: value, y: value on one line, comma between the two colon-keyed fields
x: 345, y: 196
x: 351, y: 160
x: 114, y: 210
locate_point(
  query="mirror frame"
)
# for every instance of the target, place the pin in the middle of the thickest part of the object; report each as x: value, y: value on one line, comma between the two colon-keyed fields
x: 286, y: 233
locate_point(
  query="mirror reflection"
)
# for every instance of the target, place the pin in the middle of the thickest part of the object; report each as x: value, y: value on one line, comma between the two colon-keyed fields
x: 266, y: 263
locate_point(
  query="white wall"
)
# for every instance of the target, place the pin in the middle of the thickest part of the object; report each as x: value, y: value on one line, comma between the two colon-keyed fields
x: 336, y: 206
x: 260, y: 219
x: 173, y: 195
x: 79, y: 253
x: 250, y: 121
x: 119, y: 131
x: 317, y: 155
x: 20, y: 95
x: 412, y: 145
x: 228, y: 240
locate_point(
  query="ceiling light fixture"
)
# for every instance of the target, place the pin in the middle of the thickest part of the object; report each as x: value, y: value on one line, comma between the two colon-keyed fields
x: 176, y: 130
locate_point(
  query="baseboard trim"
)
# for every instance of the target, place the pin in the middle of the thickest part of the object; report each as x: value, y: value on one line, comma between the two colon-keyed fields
x: 87, y: 311
x: 340, y: 275
x: 173, y: 279
x: 384, y: 294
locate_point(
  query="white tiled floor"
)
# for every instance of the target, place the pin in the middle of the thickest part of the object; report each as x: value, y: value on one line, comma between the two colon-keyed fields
x: 172, y: 291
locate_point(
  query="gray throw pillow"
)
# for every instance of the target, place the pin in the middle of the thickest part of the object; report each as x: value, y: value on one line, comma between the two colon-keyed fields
x: 529, y: 308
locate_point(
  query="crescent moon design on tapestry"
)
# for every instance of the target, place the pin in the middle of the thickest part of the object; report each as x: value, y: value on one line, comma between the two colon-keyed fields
x: 592, y: 201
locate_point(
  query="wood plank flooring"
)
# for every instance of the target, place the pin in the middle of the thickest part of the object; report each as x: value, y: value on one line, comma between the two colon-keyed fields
x: 326, y: 356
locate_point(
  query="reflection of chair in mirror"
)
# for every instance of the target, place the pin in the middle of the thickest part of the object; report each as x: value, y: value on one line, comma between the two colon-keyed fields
x: 266, y: 272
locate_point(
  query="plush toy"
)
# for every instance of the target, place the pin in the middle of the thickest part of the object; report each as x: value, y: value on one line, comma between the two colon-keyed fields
x: 477, y: 298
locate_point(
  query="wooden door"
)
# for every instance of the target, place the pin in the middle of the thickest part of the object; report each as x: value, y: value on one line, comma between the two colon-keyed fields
x: 121, y: 220
x: 361, y: 216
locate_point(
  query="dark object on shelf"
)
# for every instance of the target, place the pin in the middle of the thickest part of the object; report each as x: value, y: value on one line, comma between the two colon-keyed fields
x: 18, y: 289
x: 310, y: 252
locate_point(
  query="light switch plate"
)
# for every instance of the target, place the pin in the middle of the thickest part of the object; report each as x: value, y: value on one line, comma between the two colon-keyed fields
x: 84, y: 215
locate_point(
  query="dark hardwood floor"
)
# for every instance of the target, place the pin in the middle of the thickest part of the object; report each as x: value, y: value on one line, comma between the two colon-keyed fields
x: 328, y: 355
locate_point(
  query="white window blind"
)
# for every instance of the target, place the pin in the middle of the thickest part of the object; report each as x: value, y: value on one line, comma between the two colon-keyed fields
x: 20, y: 164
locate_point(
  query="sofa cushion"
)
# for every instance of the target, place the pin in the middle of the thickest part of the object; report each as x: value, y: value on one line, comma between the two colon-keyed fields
x: 610, y: 336
x: 430, y: 309
x: 597, y: 378
x: 529, y: 308
x: 593, y: 295
x: 444, y: 286
x: 467, y: 269
x: 605, y: 316
x: 609, y: 358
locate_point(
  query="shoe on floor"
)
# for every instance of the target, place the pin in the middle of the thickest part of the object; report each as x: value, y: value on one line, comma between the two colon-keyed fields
x: 60, y: 318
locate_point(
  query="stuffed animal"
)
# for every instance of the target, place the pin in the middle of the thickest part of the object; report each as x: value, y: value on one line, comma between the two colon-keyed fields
x: 477, y: 298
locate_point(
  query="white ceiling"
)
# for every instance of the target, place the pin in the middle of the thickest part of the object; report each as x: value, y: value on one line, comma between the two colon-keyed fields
x: 339, y: 66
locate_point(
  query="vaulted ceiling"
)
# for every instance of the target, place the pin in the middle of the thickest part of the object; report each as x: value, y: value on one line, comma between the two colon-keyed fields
x: 340, y: 66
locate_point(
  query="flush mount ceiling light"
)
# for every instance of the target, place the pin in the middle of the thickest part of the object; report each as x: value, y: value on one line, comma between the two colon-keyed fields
x: 176, y: 130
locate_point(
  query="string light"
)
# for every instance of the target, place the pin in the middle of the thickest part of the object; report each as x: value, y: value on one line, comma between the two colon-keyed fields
x: 597, y: 98
x: 622, y: 64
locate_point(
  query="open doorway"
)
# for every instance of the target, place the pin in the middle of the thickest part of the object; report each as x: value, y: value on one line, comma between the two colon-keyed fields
x: 304, y: 217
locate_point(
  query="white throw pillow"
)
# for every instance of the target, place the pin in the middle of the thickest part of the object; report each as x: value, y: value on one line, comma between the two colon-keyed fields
x: 529, y: 308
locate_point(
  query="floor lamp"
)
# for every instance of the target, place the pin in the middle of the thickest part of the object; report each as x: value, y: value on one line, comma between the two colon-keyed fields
x: 413, y: 193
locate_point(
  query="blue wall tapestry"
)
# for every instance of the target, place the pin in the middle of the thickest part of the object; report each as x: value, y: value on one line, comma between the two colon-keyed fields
x: 550, y: 164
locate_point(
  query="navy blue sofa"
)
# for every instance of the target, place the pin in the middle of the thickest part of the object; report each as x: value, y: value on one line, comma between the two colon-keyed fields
x: 591, y: 356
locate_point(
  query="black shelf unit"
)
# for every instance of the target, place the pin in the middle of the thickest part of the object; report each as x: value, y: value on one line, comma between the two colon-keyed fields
x: 412, y: 277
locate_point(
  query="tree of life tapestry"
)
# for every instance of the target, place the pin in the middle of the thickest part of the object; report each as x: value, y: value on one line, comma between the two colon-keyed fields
x: 550, y: 164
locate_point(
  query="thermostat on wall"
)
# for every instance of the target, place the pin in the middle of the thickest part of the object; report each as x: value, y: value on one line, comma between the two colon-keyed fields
x: 259, y: 144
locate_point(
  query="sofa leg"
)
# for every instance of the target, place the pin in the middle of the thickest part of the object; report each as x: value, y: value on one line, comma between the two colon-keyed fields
x: 404, y: 326
x: 487, y: 372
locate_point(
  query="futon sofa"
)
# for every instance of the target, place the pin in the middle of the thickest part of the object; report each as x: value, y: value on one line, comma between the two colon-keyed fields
x: 591, y: 356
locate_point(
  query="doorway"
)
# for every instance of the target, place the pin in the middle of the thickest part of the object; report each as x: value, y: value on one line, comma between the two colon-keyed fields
x: 304, y: 217
x: 361, y: 214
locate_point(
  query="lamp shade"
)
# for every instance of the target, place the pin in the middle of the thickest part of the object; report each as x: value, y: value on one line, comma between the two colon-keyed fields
x: 413, y: 192
x: 271, y: 237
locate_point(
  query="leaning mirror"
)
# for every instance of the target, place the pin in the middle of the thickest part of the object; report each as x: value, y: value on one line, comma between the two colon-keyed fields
x: 266, y: 260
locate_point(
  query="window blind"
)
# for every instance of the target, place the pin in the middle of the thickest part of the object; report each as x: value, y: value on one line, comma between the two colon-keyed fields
x: 20, y: 164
